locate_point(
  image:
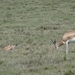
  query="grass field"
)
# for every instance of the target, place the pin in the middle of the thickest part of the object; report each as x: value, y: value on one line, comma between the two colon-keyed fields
x: 31, y: 24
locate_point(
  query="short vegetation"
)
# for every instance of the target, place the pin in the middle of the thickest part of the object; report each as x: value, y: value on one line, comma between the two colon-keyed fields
x: 31, y: 24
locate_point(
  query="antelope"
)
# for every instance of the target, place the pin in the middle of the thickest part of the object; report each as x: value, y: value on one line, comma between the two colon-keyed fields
x: 10, y: 47
x: 66, y: 39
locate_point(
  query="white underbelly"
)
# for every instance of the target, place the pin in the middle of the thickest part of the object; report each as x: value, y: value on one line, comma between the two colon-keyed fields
x: 71, y: 40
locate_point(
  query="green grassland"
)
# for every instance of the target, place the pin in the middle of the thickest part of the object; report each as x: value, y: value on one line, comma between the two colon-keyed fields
x: 31, y: 24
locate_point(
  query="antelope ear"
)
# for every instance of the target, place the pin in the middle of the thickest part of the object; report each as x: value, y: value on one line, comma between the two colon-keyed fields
x: 16, y: 44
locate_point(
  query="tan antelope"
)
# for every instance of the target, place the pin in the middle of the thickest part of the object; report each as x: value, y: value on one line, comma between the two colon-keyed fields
x: 66, y: 39
x: 10, y: 47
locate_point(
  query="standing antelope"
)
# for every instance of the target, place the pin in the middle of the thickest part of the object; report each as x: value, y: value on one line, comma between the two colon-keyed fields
x: 66, y: 39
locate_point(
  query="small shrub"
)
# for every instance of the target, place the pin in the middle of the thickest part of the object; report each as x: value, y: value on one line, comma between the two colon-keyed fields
x: 64, y: 58
x: 46, y: 68
x: 1, y: 62
x: 69, y: 72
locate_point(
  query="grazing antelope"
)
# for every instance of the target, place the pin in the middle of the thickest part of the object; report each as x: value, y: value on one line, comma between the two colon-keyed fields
x: 10, y: 47
x: 66, y: 39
